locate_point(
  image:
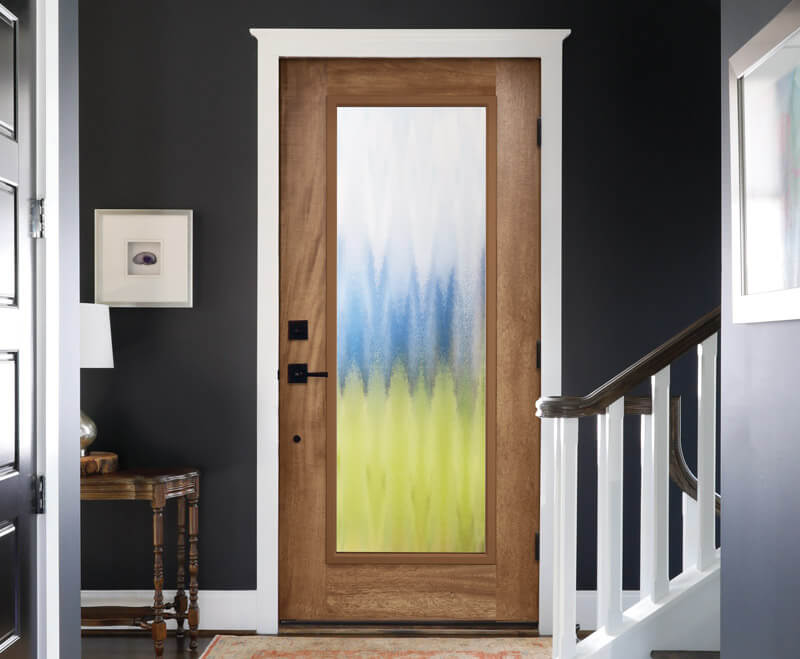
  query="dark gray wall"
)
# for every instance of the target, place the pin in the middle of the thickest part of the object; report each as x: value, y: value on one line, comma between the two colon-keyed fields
x: 168, y: 119
x: 760, y: 451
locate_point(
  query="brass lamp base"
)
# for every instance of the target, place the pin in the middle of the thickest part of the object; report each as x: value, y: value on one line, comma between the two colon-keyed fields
x: 88, y: 433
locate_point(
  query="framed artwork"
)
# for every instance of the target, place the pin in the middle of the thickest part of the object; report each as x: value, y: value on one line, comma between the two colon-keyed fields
x: 765, y: 172
x: 143, y: 258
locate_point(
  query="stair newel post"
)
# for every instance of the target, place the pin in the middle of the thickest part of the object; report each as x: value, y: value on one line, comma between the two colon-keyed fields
x: 565, y: 535
x: 609, y: 518
x: 557, y: 522
x: 660, y: 503
x: 706, y: 451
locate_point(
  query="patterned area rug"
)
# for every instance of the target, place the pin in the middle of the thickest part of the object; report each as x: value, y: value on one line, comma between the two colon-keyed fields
x: 327, y: 647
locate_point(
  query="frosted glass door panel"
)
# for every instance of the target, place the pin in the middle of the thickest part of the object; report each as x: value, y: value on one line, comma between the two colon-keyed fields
x: 411, y: 329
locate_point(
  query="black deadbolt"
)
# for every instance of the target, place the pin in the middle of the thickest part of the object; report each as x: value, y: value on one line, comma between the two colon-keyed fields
x: 298, y: 330
x: 297, y: 439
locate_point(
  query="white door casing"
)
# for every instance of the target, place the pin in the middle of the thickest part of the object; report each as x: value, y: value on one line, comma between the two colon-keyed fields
x: 273, y: 44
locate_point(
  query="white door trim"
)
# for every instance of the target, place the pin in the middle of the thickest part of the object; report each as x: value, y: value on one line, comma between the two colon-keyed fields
x: 274, y: 44
x: 48, y: 589
x: 57, y: 330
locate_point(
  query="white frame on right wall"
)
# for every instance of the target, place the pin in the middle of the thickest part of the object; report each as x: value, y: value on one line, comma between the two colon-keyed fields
x: 774, y: 305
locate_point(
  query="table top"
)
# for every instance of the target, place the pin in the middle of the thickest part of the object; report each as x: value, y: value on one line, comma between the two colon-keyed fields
x: 154, y: 474
x: 140, y: 484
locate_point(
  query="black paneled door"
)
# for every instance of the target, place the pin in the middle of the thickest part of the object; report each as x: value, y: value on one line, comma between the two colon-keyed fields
x: 17, y: 413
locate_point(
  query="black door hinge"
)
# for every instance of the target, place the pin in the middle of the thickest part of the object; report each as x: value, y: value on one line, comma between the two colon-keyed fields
x: 536, y: 546
x: 37, y: 218
x: 538, y: 354
x: 38, y: 500
x: 539, y: 131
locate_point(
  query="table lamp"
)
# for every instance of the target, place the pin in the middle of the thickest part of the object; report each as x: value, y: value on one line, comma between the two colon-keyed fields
x: 95, y: 353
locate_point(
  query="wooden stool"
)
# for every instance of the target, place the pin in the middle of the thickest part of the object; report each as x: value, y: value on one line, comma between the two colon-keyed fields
x: 155, y: 486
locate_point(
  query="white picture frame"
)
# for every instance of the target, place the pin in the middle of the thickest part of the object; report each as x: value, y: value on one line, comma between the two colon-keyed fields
x: 769, y: 303
x: 143, y: 258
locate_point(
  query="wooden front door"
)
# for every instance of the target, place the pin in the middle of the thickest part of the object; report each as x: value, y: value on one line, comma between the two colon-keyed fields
x: 409, y: 243
x: 17, y: 454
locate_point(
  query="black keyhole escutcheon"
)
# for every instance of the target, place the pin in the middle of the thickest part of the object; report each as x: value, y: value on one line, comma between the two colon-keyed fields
x: 297, y: 439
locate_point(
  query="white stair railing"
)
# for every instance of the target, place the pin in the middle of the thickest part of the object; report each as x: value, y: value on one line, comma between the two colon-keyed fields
x: 609, y: 516
x: 656, y: 421
x: 706, y: 451
x: 659, y: 482
x: 647, y: 507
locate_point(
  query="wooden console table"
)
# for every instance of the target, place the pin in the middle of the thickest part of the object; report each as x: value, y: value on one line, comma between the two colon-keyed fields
x: 156, y: 486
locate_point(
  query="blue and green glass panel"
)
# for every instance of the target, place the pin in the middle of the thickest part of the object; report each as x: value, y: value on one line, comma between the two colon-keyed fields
x: 411, y: 329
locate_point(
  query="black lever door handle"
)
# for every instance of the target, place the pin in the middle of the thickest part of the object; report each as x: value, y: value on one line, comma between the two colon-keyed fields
x: 299, y: 374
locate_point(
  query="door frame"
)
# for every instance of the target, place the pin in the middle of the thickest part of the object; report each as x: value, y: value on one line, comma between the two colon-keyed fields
x: 58, y: 329
x: 274, y: 44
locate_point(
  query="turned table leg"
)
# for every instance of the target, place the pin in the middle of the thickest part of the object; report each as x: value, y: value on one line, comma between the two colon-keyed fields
x: 159, y: 627
x: 180, y: 596
x: 194, y: 611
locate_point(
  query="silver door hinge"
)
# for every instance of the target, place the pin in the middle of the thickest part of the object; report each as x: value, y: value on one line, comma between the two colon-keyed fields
x: 38, y: 502
x: 37, y: 218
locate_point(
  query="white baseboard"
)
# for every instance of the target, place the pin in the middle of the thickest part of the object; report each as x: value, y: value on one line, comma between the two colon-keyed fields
x: 586, y: 606
x: 236, y: 609
x: 219, y: 609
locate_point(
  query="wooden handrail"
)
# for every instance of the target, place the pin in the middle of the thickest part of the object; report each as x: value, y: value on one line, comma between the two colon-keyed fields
x: 564, y: 407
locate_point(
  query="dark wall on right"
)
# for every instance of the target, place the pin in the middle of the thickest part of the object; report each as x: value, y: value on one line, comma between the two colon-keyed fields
x: 760, y: 425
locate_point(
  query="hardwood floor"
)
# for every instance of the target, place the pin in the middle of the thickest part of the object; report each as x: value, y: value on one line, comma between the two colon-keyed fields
x: 136, y: 647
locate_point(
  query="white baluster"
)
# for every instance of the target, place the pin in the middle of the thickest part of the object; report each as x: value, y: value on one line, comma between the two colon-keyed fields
x: 557, y: 522
x: 690, y: 531
x: 706, y: 450
x: 602, y: 521
x: 566, y: 526
x: 609, y: 520
x: 647, y: 507
x: 660, y: 505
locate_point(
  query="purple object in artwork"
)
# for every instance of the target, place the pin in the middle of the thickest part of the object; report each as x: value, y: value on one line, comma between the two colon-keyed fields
x: 145, y: 258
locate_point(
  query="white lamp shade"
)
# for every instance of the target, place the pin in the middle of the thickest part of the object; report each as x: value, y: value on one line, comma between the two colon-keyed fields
x: 96, y: 337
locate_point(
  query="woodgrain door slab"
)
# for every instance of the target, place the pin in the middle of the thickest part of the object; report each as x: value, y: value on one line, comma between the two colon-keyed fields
x: 316, y: 582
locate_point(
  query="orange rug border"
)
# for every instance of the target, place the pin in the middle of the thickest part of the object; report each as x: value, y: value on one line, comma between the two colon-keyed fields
x: 210, y: 645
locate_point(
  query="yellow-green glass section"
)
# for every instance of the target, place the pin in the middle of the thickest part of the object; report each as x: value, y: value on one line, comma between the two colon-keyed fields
x: 411, y: 467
